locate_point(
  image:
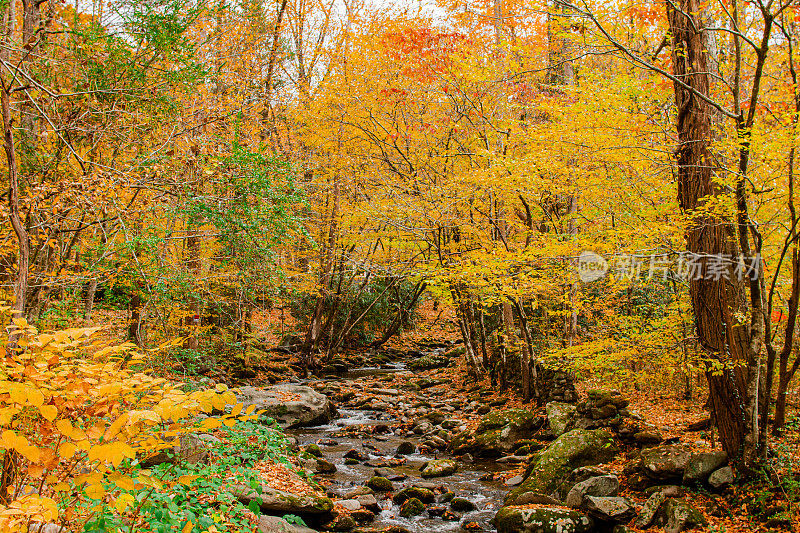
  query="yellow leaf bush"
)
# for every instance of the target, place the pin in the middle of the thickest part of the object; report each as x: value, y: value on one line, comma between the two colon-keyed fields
x: 76, y: 417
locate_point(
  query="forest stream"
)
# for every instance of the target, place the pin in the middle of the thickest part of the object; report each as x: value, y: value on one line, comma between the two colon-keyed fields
x: 378, y: 435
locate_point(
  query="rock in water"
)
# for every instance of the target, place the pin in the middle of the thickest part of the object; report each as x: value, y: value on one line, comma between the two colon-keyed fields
x: 290, y: 405
x: 573, y: 449
x: 439, y: 468
x: 420, y: 493
x: 380, y: 484
x: 411, y: 507
x: 558, y: 416
x: 541, y: 520
x: 462, y: 505
x: 406, y: 448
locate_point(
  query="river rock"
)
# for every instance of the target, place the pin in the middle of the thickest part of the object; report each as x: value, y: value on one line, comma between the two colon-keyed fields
x: 439, y: 468
x: 462, y: 505
x: 411, y: 507
x: 514, y: 481
x: 701, y: 465
x: 319, y: 466
x: 350, y: 505
x: 594, y: 486
x: 389, y: 474
x: 558, y: 416
x: 357, y: 455
x: 541, y: 520
x: 368, y: 501
x: 341, y: 522
x: 380, y: 484
x: 497, y: 433
x: 573, y: 449
x: 274, y: 524
x: 276, y: 501
x: 423, y: 494
x: 406, y: 448
x: 429, y: 362
x: 289, y: 404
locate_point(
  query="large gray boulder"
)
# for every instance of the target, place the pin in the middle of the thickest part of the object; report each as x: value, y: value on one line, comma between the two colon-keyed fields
x: 496, y: 434
x: 609, y: 508
x: 667, y: 462
x: 594, y: 486
x: 275, y: 501
x: 702, y: 464
x: 290, y: 405
x: 721, y: 478
x: 573, y: 449
x: 558, y: 416
x: 541, y: 520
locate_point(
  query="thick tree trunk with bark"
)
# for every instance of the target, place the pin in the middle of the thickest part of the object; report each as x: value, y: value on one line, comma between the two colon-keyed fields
x: 715, y: 301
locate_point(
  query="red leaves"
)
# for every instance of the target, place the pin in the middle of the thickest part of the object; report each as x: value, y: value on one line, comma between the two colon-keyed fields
x: 424, y: 51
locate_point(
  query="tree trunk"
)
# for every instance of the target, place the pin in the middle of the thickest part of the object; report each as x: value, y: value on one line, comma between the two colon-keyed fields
x: 714, y: 300
x: 88, y: 306
x: 135, y: 333
x: 23, y: 247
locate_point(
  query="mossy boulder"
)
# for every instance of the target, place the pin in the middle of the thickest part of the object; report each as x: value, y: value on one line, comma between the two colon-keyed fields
x: 380, y: 484
x: 462, y: 505
x: 676, y: 515
x: 439, y: 468
x: 497, y: 433
x: 573, y: 449
x: 559, y: 415
x: 542, y: 520
x: 411, y: 507
x: 429, y: 362
x: 458, y: 351
x: 313, y: 450
x: 272, y: 501
x: 421, y: 493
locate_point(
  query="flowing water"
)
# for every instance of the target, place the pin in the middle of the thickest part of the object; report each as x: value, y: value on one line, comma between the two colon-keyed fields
x: 335, y: 439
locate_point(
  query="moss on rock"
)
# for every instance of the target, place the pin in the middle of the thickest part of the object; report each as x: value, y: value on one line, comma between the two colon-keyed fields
x: 574, y: 449
x: 541, y: 520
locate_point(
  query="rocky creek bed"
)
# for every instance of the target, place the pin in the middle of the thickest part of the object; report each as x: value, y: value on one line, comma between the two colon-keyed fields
x: 406, y: 449
x: 368, y: 447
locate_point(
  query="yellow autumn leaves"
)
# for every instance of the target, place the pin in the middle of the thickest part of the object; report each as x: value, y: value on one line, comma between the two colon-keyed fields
x: 74, y: 420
